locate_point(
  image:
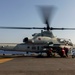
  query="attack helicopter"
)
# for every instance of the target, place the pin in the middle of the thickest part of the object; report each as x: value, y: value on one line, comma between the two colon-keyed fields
x: 41, y: 42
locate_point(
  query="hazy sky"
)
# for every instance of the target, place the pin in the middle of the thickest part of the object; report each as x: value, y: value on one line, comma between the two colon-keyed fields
x: 23, y: 13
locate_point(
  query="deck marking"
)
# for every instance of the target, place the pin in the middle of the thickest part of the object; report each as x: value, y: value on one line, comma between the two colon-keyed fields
x: 5, y: 60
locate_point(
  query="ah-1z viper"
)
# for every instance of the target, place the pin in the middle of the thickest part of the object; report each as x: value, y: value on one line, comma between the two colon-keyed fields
x: 41, y: 42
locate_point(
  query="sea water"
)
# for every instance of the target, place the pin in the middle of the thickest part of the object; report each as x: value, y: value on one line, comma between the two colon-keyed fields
x: 11, y: 52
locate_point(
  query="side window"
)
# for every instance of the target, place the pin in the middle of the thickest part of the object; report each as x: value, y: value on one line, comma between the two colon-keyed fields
x: 28, y: 47
x: 34, y: 47
x: 37, y: 47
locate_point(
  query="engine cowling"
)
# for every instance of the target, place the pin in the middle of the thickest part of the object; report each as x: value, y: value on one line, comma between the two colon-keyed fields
x: 25, y: 39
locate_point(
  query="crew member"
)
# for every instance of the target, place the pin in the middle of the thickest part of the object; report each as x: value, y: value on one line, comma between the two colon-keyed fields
x: 66, y: 51
x: 63, y: 51
x: 49, y: 52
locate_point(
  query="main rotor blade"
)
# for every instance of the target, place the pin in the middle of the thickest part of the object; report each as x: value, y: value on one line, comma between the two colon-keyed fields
x: 62, y: 28
x: 37, y: 28
x: 47, y: 14
x: 21, y: 28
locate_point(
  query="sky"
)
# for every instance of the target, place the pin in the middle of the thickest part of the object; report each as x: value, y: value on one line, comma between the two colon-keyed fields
x: 24, y: 13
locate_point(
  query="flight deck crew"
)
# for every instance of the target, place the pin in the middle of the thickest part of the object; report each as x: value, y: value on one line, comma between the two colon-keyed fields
x: 66, y: 51
x: 63, y: 51
x: 49, y: 52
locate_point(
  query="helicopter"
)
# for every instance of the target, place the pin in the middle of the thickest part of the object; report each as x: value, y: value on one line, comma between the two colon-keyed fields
x: 41, y: 42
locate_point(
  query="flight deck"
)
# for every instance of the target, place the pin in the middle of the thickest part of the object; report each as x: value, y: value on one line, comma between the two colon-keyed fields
x: 31, y: 65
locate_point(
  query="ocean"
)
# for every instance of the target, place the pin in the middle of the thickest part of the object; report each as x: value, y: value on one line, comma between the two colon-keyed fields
x: 11, y: 52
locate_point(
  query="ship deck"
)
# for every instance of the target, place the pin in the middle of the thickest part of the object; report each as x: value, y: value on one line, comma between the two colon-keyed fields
x: 32, y: 65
